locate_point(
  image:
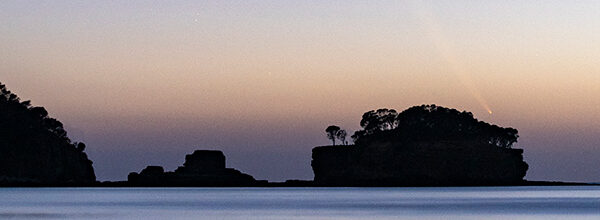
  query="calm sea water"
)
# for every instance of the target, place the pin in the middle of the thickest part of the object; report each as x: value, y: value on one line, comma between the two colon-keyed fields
x: 564, y: 202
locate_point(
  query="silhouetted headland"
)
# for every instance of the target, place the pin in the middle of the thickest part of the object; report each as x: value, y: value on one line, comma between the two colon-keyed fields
x: 201, y: 168
x: 35, y: 149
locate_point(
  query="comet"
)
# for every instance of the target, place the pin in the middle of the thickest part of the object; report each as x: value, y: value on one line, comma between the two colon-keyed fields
x: 446, y: 51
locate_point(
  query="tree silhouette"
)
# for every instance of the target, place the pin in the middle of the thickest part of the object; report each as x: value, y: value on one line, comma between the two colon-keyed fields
x: 431, y: 122
x: 35, y: 147
x: 332, y: 131
x: 376, y: 121
x: 80, y: 146
x: 341, y: 135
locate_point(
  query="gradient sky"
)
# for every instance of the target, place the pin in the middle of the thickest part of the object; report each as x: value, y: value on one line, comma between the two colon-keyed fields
x: 146, y: 82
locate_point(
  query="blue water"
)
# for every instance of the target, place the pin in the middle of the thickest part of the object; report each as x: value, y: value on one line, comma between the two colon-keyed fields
x: 562, y: 202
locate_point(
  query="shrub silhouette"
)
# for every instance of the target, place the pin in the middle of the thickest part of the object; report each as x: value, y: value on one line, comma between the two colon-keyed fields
x: 341, y: 135
x: 335, y: 132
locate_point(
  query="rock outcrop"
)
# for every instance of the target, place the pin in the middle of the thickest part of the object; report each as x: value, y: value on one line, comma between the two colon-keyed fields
x: 201, y: 168
x: 35, y: 149
x: 421, y: 163
x: 425, y: 145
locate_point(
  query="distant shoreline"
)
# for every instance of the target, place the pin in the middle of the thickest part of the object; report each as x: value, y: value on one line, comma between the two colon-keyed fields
x: 287, y: 184
x: 422, y: 146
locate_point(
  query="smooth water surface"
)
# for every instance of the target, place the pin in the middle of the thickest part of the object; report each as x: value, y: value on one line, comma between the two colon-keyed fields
x: 547, y: 202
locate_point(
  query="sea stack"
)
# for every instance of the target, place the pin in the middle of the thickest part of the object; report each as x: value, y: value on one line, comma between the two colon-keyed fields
x: 201, y: 168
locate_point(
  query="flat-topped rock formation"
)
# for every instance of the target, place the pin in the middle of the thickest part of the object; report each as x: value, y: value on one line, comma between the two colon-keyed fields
x: 202, y: 161
x: 418, y: 164
x: 201, y: 168
x: 35, y: 149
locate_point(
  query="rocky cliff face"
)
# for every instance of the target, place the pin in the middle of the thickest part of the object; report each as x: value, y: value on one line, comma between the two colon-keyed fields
x: 35, y: 149
x: 423, y: 163
x: 201, y: 168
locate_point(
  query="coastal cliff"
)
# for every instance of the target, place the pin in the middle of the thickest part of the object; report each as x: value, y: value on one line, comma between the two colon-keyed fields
x: 201, y: 168
x: 35, y: 149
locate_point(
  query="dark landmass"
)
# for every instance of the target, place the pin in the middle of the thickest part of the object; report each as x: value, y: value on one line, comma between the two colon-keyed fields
x: 35, y: 149
x: 418, y: 164
x: 201, y: 168
x: 424, y: 145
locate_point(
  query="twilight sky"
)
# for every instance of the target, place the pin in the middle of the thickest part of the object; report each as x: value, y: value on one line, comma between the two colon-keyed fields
x: 146, y: 82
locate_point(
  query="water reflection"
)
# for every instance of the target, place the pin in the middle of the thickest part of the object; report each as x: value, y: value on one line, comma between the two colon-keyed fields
x: 569, y: 202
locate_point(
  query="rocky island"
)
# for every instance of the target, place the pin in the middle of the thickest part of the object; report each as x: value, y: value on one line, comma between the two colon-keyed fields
x: 201, y: 168
x: 423, y: 146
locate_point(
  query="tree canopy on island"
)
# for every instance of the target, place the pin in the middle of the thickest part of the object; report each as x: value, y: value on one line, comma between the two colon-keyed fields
x: 331, y: 132
x: 431, y: 122
x: 335, y: 132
